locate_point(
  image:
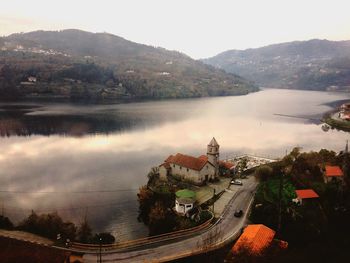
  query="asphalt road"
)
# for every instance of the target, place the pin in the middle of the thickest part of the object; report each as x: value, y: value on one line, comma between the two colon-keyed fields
x: 225, y: 230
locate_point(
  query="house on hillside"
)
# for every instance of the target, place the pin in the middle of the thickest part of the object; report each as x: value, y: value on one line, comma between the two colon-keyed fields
x: 304, y: 195
x: 344, y: 112
x: 255, y: 239
x: 32, y: 79
x: 197, y: 170
x: 333, y: 174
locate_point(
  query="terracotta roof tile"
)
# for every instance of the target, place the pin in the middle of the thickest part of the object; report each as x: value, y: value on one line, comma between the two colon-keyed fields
x: 203, y: 157
x: 166, y: 165
x: 307, y: 193
x: 333, y: 171
x: 255, y: 238
x: 227, y: 165
x: 169, y: 158
x: 187, y: 161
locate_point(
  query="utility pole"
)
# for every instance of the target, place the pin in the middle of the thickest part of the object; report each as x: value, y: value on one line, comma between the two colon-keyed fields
x: 100, y: 239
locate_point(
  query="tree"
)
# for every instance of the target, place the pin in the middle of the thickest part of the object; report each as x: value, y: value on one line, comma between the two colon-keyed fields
x: 103, y: 238
x: 5, y: 223
x: 242, y: 165
x: 263, y: 173
x: 161, y: 219
x: 145, y: 198
x: 48, y: 225
x: 84, y: 232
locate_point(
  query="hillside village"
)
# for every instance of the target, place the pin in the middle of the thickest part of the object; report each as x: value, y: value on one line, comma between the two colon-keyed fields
x: 303, y: 179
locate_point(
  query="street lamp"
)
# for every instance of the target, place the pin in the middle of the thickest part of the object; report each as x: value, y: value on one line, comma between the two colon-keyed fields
x: 100, y: 239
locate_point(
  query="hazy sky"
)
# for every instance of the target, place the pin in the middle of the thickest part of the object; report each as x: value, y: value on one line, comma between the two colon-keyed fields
x: 199, y: 28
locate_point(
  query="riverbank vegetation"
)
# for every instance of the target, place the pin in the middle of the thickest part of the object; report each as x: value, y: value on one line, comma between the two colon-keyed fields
x: 53, y: 227
x: 336, y: 124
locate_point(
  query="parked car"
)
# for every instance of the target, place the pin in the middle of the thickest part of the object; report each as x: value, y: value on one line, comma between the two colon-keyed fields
x: 236, y: 182
x: 238, y: 213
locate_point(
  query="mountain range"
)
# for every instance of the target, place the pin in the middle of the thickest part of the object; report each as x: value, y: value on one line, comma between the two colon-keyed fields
x: 75, y: 64
x: 312, y: 65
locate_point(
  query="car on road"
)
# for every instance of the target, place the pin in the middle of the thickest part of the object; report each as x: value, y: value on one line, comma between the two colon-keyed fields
x: 236, y: 182
x: 238, y: 213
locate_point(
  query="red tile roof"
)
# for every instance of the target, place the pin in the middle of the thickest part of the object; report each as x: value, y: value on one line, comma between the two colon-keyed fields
x: 333, y: 171
x: 255, y: 238
x: 169, y: 158
x: 166, y: 165
x: 307, y: 193
x: 187, y: 161
x: 203, y: 157
x: 227, y: 165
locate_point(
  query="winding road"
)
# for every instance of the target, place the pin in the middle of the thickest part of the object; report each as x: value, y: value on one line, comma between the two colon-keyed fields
x: 225, y: 230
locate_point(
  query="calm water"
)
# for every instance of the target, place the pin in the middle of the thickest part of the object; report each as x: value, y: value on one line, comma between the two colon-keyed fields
x: 90, y: 160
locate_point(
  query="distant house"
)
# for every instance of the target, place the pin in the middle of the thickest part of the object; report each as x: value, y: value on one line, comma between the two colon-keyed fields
x: 306, y: 194
x: 344, y: 112
x: 256, y: 238
x: 333, y: 174
x: 32, y: 79
x: 197, y: 170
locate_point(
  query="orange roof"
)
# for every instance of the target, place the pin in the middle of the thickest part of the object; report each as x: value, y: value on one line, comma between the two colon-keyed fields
x: 227, y: 165
x: 307, y: 193
x: 255, y: 238
x: 187, y: 161
x: 203, y: 157
x: 166, y: 165
x: 333, y: 171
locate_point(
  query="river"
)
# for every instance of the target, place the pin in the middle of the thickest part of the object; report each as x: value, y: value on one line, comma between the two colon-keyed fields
x: 89, y: 160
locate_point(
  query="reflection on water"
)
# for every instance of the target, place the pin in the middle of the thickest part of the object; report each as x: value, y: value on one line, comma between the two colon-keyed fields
x: 72, y: 120
x: 96, y: 168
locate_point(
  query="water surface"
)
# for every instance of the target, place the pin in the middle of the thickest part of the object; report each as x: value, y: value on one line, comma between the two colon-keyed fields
x: 89, y: 160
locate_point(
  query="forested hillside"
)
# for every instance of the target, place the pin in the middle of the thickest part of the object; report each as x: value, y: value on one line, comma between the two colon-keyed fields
x: 312, y: 65
x: 75, y: 64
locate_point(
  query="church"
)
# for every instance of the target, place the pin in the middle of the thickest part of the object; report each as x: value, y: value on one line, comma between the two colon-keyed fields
x: 197, y: 170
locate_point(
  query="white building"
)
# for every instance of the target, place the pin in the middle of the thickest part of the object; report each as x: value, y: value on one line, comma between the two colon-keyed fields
x: 197, y: 170
x: 184, y: 202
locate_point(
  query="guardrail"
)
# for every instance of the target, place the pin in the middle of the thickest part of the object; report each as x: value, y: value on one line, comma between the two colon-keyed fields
x: 217, y: 245
x: 142, y: 241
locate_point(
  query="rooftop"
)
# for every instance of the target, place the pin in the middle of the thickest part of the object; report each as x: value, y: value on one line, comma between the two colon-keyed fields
x: 185, y: 193
x: 213, y: 142
x: 255, y: 238
x: 227, y: 165
x: 333, y: 171
x: 187, y: 161
x: 307, y: 193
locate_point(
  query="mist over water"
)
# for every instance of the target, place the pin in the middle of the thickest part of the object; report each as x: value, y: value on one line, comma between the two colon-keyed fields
x: 91, y: 159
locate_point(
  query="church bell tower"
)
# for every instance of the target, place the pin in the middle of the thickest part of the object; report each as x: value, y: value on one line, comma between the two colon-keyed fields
x: 213, y: 154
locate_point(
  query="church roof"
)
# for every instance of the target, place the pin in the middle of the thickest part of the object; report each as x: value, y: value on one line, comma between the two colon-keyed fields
x: 203, y: 157
x: 213, y: 142
x: 187, y: 161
